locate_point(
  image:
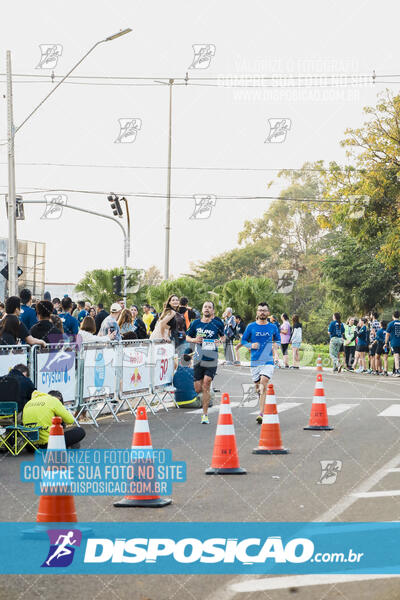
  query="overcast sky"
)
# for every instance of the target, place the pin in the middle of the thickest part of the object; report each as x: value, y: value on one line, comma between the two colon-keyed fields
x: 212, y: 126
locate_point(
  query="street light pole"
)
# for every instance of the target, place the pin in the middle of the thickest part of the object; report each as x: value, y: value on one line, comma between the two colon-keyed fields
x: 12, y: 223
x: 168, y: 209
x: 11, y: 202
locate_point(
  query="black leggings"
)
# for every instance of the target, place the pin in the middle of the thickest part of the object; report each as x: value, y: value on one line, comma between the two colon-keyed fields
x: 72, y: 435
x: 349, y: 353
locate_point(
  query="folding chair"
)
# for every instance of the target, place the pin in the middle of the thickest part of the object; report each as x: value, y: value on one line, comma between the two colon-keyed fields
x: 16, y: 437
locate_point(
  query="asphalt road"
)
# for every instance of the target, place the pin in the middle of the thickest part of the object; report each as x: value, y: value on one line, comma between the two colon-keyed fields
x: 365, y: 412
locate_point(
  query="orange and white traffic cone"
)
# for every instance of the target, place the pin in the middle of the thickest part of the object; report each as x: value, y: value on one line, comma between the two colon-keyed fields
x: 319, y: 364
x: 225, y: 459
x: 55, y: 508
x: 319, y: 413
x: 141, y: 440
x: 270, y: 434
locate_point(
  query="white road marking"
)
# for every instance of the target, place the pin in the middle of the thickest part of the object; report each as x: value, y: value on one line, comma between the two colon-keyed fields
x: 378, y: 494
x: 391, y: 411
x: 310, y: 397
x: 395, y: 470
x: 282, y: 407
x: 280, y: 583
x: 337, y: 409
x: 243, y: 585
x: 213, y: 409
x: 347, y: 501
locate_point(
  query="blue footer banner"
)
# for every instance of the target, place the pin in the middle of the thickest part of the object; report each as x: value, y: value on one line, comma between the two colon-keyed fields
x: 161, y: 548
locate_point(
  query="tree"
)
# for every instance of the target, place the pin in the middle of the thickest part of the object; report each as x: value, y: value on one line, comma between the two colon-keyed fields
x: 371, y: 185
x: 194, y: 290
x: 243, y: 296
x: 97, y: 285
x: 151, y: 277
x: 357, y: 282
x: 252, y: 260
x: 289, y: 228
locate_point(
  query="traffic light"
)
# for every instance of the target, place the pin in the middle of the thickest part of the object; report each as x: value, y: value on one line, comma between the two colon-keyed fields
x: 117, y: 285
x: 115, y: 205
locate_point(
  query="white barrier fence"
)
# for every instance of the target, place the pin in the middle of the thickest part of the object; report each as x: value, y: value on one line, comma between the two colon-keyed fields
x: 98, y: 377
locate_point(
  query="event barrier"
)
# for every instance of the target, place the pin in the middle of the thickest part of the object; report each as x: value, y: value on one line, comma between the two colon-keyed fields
x: 99, y: 377
x: 10, y: 356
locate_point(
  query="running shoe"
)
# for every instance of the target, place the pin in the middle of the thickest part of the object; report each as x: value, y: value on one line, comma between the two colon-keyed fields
x: 360, y: 370
x: 259, y: 418
x: 204, y: 420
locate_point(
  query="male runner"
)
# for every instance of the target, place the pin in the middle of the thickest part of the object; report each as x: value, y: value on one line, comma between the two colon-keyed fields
x: 207, y: 333
x: 259, y: 337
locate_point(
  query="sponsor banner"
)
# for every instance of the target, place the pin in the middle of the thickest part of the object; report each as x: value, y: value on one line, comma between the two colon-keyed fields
x: 56, y: 371
x: 136, y: 368
x: 103, y: 472
x: 8, y: 361
x: 163, y: 364
x: 99, y: 370
x: 160, y: 548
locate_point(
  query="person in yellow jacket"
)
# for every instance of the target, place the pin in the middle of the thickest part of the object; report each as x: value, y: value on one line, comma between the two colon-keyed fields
x: 40, y: 410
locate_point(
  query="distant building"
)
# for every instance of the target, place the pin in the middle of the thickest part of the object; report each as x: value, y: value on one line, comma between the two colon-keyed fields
x: 32, y: 260
x: 58, y: 290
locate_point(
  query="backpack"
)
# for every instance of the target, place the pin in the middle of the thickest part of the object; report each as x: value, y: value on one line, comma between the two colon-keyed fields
x: 186, y: 317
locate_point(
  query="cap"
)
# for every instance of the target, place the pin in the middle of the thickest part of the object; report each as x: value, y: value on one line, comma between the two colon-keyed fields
x: 115, y: 307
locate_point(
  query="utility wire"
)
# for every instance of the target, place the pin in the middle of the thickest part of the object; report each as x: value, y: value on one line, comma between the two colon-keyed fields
x: 177, y: 168
x: 314, y: 199
x: 206, y: 78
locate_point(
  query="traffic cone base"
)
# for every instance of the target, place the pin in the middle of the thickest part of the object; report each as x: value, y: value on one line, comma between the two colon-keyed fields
x: 39, y: 532
x: 151, y: 503
x: 260, y: 450
x: 235, y: 471
x: 319, y: 427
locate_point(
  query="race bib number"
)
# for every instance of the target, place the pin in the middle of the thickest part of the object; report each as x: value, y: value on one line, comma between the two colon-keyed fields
x: 208, y: 345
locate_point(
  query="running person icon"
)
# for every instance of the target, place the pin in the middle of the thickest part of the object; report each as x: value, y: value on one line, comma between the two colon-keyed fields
x: 62, y: 550
x: 259, y: 336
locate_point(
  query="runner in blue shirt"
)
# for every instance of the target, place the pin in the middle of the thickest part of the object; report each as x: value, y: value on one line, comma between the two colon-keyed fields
x: 393, y: 333
x: 207, y: 333
x: 70, y: 324
x: 259, y: 337
x: 27, y: 315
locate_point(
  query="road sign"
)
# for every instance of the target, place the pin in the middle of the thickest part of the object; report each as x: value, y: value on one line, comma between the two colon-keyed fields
x: 19, y: 208
x: 4, y: 272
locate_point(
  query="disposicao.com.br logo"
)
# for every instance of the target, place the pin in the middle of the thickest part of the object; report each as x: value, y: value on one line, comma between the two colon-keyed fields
x: 62, y: 547
x: 213, y: 550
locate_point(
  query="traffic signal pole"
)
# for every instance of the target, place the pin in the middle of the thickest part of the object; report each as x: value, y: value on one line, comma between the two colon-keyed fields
x: 92, y: 212
x: 11, y: 131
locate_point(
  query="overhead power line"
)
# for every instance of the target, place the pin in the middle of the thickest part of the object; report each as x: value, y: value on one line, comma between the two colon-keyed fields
x: 313, y: 199
x: 178, y: 168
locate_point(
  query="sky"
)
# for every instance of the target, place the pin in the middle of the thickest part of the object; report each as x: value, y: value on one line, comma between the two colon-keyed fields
x: 214, y: 127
